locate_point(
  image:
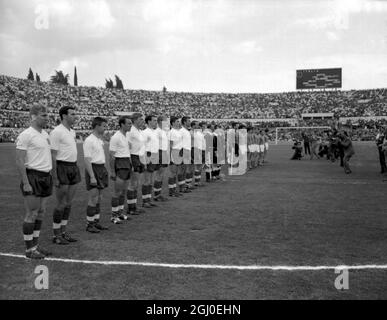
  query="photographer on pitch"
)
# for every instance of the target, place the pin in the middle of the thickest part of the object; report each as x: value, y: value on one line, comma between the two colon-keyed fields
x: 348, y: 150
x: 297, y: 147
x: 333, y: 147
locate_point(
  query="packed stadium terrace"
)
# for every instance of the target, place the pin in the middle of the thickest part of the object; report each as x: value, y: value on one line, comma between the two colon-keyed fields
x: 17, y: 95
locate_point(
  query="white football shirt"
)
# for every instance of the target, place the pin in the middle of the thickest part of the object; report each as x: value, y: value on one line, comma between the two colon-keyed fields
x: 120, y: 145
x: 63, y: 141
x: 37, y: 146
x: 176, y: 138
x: 137, y: 141
x: 186, y: 138
x: 93, y: 149
x: 163, y: 139
x: 151, y: 140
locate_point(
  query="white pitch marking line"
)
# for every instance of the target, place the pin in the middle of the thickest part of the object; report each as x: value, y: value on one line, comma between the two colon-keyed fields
x: 206, y: 266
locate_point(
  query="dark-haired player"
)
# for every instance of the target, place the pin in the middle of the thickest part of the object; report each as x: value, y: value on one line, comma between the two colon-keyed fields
x: 187, y: 167
x: 137, y: 155
x: 209, y: 152
x: 152, y: 159
x: 380, y: 140
x: 120, y: 168
x: 164, y: 157
x: 65, y: 173
x: 34, y: 163
x: 176, y: 151
x: 96, y: 175
x: 199, y: 145
x: 266, y: 140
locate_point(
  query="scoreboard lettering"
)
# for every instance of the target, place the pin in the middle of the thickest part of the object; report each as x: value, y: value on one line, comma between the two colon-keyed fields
x: 319, y: 78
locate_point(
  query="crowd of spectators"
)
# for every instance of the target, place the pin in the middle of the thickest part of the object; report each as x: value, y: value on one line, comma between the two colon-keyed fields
x: 17, y: 95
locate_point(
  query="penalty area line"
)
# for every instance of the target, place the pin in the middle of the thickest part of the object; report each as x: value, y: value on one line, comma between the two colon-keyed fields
x: 206, y: 266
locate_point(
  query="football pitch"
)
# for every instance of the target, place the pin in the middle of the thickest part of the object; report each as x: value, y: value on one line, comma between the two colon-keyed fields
x: 277, y: 232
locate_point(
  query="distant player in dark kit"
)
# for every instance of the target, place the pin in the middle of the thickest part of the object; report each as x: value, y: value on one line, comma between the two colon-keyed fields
x: 380, y: 140
x: 34, y: 163
x: 383, y: 149
x: 96, y: 175
x: 261, y: 147
x: 65, y: 173
x: 266, y: 140
x: 306, y: 139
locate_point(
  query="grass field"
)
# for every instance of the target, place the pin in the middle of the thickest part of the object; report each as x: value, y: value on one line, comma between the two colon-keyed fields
x: 295, y: 213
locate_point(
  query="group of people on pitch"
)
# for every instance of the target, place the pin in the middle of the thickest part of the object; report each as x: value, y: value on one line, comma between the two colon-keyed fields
x: 141, y: 152
x: 336, y: 144
x: 257, y: 147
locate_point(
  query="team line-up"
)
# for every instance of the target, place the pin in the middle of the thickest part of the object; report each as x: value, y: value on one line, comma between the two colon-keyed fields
x: 142, y: 154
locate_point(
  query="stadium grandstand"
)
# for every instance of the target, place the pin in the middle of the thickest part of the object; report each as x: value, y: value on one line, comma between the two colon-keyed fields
x: 363, y: 112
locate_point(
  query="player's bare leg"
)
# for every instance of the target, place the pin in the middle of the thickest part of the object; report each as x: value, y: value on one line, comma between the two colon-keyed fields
x: 120, y: 186
x: 172, y: 181
x: 134, y: 182
x: 189, y: 176
x: 71, y: 191
x: 31, y: 227
x: 181, y: 170
x: 158, y: 184
x: 61, y: 192
x: 147, y: 190
x: 91, y: 210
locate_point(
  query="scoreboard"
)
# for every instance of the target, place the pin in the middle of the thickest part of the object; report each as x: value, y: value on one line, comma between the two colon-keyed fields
x: 319, y: 78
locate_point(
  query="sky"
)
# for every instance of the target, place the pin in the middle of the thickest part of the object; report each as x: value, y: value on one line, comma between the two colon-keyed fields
x: 196, y: 45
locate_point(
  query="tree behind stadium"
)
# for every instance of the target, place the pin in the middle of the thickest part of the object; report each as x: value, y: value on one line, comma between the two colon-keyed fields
x: 37, y: 77
x: 60, y: 78
x: 109, y: 84
x: 30, y: 75
x: 119, y: 84
x: 75, y: 77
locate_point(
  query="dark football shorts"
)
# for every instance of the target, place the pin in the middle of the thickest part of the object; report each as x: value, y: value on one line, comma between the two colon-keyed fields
x: 138, y: 166
x: 41, y: 183
x: 68, y: 173
x: 214, y: 157
x: 187, y: 158
x: 152, y: 162
x: 164, y: 158
x: 101, y: 175
x: 198, y: 156
x: 177, y: 156
x: 123, y: 167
